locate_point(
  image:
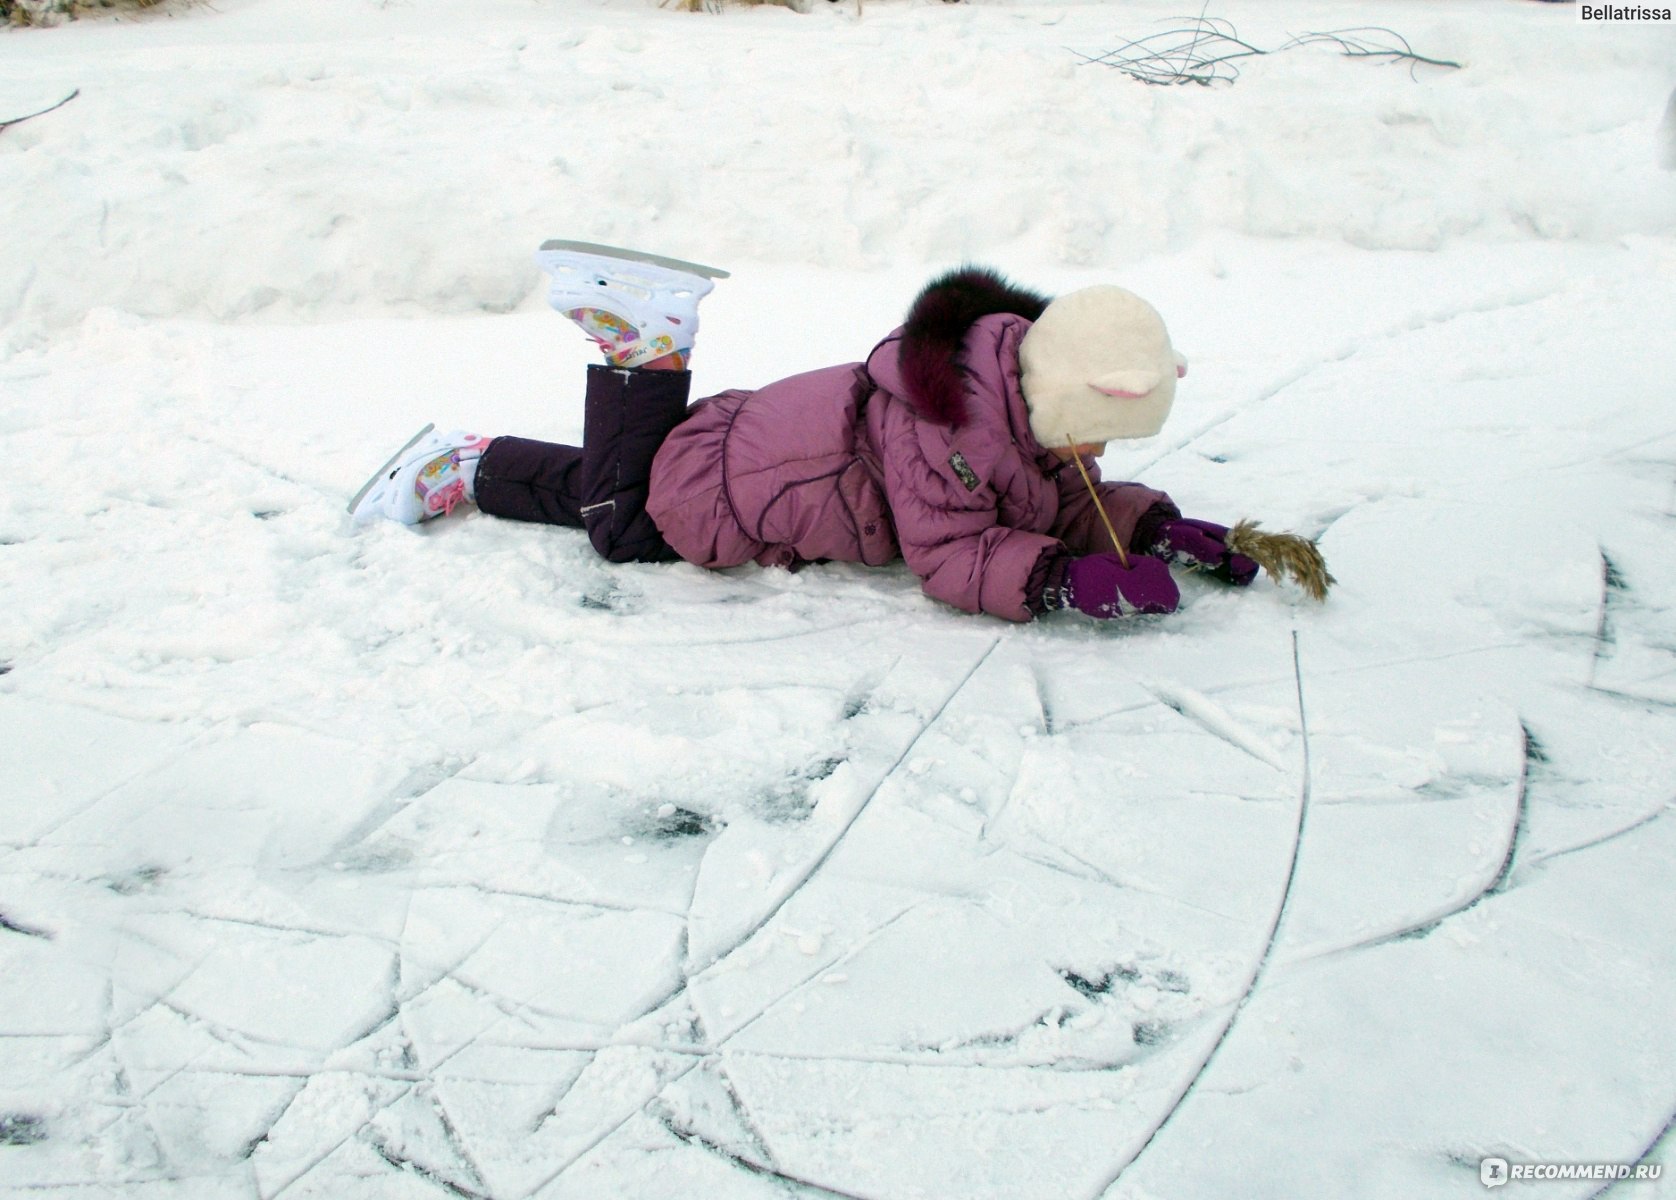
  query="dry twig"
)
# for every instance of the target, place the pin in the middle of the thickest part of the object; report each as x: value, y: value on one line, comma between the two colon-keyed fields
x: 1205, y: 50
x: 1105, y: 518
x: 43, y: 112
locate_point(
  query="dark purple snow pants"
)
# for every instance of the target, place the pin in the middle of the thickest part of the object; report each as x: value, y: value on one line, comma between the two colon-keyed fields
x: 601, y: 486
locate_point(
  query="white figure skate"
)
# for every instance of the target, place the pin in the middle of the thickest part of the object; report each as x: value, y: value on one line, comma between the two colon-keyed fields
x: 426, y: 478
x: 637, y: 306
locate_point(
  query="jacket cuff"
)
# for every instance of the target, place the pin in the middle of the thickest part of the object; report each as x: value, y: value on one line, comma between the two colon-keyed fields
x: 1147, y: 529
x: 1046, y: 589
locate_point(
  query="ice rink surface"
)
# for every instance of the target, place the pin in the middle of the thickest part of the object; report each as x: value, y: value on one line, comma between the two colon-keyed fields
x: 458, y: 862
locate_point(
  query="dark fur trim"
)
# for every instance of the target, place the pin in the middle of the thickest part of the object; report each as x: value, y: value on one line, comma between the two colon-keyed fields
x: 936, y: 326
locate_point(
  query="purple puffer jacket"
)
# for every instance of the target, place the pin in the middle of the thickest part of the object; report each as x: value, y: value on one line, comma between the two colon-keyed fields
x: 924, y: 451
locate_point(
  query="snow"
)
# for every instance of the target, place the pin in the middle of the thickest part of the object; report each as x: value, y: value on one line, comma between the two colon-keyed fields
x: 391, y: 863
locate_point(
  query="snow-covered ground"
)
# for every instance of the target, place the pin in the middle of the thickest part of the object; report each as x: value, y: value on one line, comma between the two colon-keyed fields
x: 459, y: 862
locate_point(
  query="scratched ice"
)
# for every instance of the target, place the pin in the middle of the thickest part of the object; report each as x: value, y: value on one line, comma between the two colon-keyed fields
x: 458, y: 862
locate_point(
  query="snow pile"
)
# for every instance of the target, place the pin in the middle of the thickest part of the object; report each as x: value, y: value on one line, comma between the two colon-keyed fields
x: 395, y: 862
x: 347, y: 159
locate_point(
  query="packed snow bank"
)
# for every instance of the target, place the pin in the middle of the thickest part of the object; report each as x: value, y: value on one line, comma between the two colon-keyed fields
x: 276, y: 157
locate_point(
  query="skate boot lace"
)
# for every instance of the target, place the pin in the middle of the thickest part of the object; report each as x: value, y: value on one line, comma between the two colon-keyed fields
x: 443, y: 501
x: 439, y: 485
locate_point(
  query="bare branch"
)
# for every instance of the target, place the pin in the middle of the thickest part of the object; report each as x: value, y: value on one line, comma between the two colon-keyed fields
x: 31, y: 116
x: 1203, y: 50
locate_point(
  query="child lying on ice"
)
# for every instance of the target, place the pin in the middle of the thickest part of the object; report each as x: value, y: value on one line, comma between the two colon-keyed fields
x: 955, y: 446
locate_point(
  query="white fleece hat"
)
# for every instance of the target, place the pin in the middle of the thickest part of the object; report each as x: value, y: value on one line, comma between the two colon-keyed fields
x: 1098, y: 365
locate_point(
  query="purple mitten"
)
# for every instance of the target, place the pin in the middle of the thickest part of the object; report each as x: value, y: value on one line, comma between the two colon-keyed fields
x: 1101, y: 586
x: 1200, y: 544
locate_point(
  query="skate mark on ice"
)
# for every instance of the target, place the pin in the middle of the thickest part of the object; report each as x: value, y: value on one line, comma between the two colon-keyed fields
x: 665, y: 1083
x: 135, y: 880
x: 1612, y: 585
x: 1385, y: 664
x: 1259, y: 969
x: 813, y: 866
x: 1632, y: 698
x: 985, y: 1051
x: 858, y: 698
x: 230, y: 1040
x: 682, y: 820
x: 1624, y: 453
x: 1048, y: 723
x: 236, y: 1040
x: 131, y: 1112
x: 222, y: 731
x: 994, y: 819
x: 417, y: 784
x: 22, y: 1129
x: 939, y: 1061
x: 1629, y: 1187
x: 379, y: 1146
x: 152, y: 999
x: 392, y: 1013
x: 1663, y: 810
x: 1152, y: 1032
x: 225, y: 452
x: 1093, y: 988
x: 307, y: 1073
x: 1214, y: 720
x: 759, y: 640
x: 557, y: 1102
x: 1534, y: 756
x: 689, y: 1137
x: 680, y: 824
x: 824, y: 966
x: 757, y: 1143
x: 379, y: 1108
x: 612, y: 598
x: 313, y: 931
x: 604, y: 906
x: 1325, y: 521
x: 1165, y: 980
x: 529, y: 1015
x: 14, y: 926
x: 1130, y: 709
x: 788, y: 801
x: 1346, y: 351
x: 1090, y: 872
x: 1097, y: 874
x: 474, y: 1187
x: 598, y: 1140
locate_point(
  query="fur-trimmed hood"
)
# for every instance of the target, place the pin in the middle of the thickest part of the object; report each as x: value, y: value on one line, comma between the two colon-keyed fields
x: 1092, y: 365
x: 938, y: 320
